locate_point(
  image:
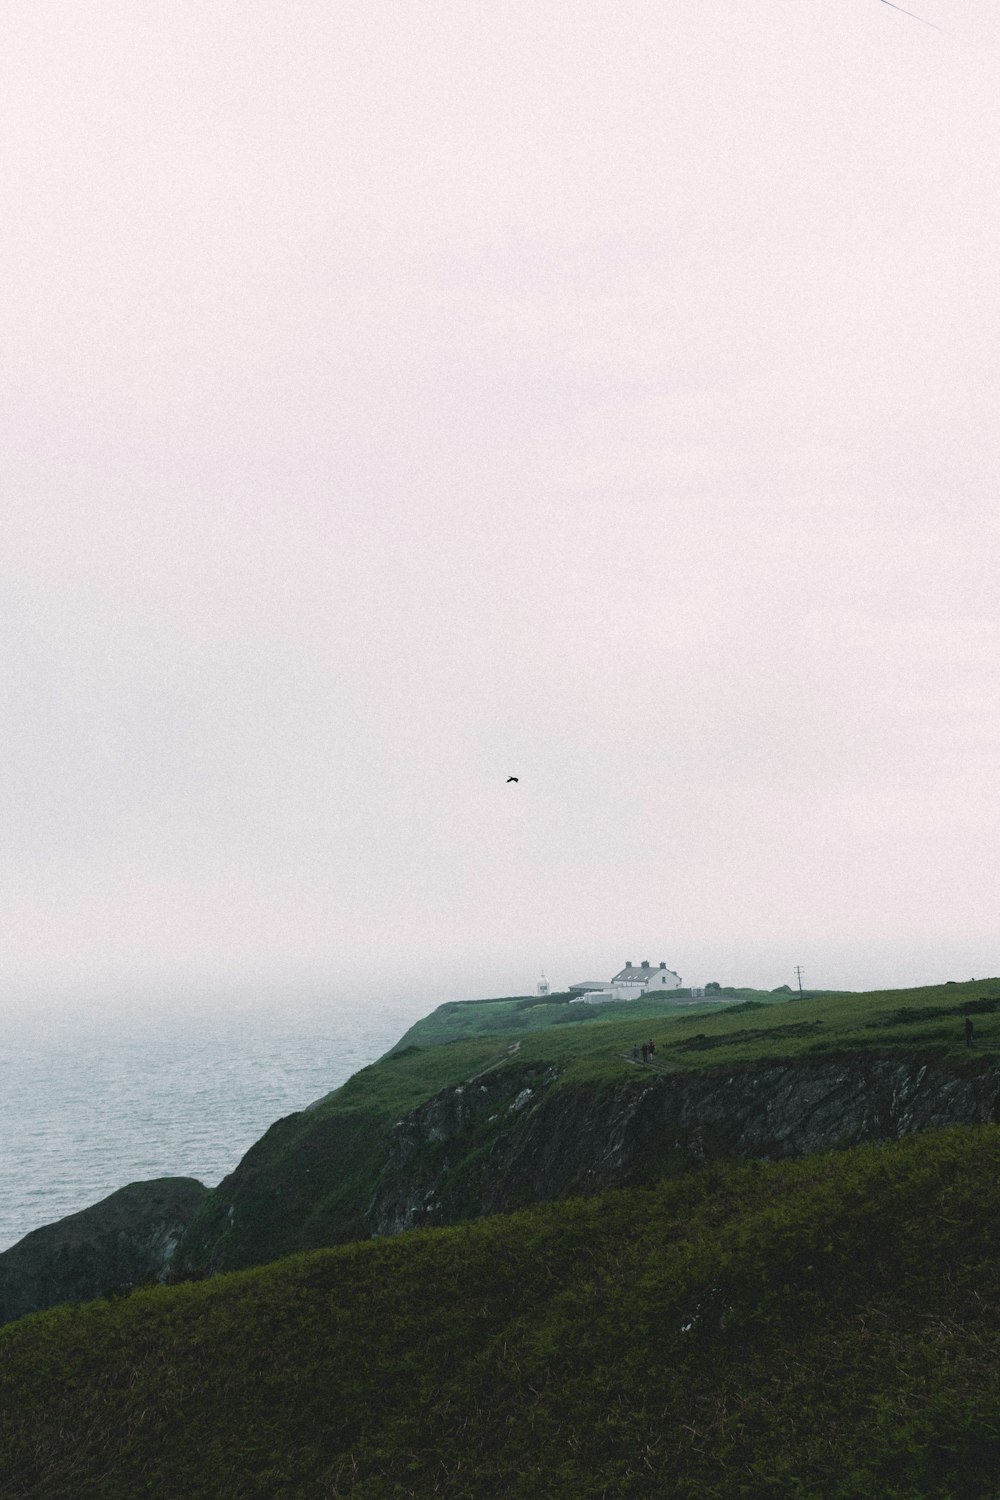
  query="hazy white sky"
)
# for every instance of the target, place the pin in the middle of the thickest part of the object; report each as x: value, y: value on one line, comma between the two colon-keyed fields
x: 398, y: 397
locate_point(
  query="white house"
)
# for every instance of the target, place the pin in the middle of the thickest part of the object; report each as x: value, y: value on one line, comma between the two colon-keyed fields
x: 639, y: 979
x: 629, y: 983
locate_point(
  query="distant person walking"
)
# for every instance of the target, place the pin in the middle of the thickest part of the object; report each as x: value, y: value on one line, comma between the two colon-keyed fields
x: 970, y: 1031
x: 635, y: 1051
x: 652, y: 1046
x: 645, y: 1052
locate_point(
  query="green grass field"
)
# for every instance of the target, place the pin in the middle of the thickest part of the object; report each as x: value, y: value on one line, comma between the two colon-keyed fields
x: 755, y: 1027
x: 827, y: 1328
x: 464, y: 1019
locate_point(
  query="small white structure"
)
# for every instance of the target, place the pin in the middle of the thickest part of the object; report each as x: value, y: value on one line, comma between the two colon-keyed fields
x: 543, y: 985
x: 631, y: 982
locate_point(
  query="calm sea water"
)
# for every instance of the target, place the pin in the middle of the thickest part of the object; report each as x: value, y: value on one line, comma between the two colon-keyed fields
x: 97, y: 1094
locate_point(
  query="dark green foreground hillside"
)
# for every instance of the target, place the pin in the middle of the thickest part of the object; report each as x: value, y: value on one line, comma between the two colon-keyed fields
x: 827, y: 1327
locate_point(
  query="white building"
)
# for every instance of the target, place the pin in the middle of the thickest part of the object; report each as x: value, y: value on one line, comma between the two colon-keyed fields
x: 629, y: 983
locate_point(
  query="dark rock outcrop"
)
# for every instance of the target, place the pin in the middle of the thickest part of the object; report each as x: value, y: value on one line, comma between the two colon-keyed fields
x: 516, y: 1134
x: 509, y: 1141
x: 121, y: 1242
x: 444, y: 1154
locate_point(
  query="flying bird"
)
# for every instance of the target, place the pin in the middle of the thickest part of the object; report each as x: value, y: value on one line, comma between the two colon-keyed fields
x: 911, y: 14
x: 511, y: 778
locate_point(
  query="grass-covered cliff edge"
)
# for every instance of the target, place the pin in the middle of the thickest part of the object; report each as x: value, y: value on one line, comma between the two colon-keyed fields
x: 487, y: 1107
x: 620, y: 1306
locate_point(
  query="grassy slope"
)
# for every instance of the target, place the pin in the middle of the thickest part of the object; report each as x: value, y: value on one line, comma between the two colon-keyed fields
x: 926, y: 1019
x: 308, y: 1180
x: 865, y: 1020
x: 516, y: 1014
x: 825, y: 1328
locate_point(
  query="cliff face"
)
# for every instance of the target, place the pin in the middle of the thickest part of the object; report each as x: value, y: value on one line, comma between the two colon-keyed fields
x: 120, y: 1242
x: 516, y: 1134
x: 502, y: 1143
x: 519, y: 1134
x: 452, y: 1157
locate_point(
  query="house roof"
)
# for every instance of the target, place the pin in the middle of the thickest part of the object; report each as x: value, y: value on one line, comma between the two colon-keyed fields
x: 639, y: 974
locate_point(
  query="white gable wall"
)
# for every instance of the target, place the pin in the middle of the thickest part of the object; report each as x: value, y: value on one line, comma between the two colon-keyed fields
x: 663, y: 979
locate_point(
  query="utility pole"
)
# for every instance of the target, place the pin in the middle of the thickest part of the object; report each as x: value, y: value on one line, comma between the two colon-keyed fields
x: 798, y: 975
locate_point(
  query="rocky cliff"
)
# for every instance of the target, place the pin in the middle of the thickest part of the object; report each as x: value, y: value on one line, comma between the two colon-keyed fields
x: 516, y: 1133
x: 523, y: 1133
x: 516, y: 1138
x: 124, y: 1240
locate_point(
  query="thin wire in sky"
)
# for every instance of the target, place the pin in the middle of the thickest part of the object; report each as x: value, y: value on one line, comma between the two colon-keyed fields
x: 954, y: 37
x: 912, y: 15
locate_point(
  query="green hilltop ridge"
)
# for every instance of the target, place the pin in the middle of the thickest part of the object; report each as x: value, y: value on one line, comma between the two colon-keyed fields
x: 762, y: 1264
x: 517, y: 1013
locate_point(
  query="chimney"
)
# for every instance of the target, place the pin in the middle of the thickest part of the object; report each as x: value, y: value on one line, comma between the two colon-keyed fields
x: 663, y: 966
x: 645, y: 963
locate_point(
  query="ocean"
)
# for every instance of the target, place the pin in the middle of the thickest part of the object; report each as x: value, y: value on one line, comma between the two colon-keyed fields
x: 97, y: 1093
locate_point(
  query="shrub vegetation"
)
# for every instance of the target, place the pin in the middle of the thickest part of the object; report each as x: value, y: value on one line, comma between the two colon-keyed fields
x: 828, y: 1327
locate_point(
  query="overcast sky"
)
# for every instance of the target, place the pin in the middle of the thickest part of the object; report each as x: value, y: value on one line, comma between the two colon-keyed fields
x: 398, y: 397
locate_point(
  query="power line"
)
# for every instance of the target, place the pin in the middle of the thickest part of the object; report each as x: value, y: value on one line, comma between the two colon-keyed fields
x: 913, y: 16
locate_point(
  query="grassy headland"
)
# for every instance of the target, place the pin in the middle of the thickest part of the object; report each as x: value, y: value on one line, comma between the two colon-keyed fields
x: 929, y: 1016
x: 310, y: 1178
